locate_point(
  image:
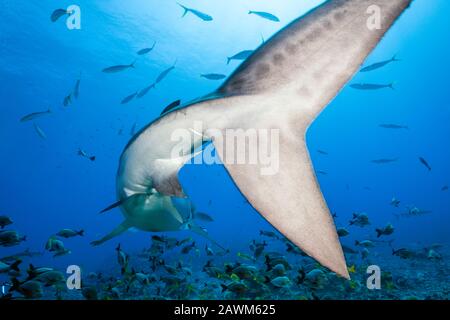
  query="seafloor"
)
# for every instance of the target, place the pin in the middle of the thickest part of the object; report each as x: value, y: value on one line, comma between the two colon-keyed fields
x: 176, y: 269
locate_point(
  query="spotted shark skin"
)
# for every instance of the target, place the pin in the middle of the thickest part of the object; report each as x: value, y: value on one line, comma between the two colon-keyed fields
x: 285, y: 85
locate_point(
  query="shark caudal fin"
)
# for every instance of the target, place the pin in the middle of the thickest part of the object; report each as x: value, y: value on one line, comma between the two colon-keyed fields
x: 283, y: 86
x: 290, y: 199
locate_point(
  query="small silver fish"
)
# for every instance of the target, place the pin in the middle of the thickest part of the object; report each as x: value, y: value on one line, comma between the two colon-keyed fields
x: 213, y: 76
x: 240, y: 56
x: 384, y: 161
x: 265, y: 15
x: 199, y: 14
x: 129, y: 98
x: 425, y: 163
x: 27, y: 253
x: 35, y: 115
x: 164, y: 74
x: 144, y: 91
x: 58, y: 13
x: 84, y: 154
x: 414, y: 212
x: 395, y: 202
x: 146, y: 50
x: 369, y: 86
x: 76, y: 90
x: 39, y: 131
x: 67, y: 100
x: 393, y: 126
x: 379, y: 65
x: 133, y: 129
x: 119, y: 68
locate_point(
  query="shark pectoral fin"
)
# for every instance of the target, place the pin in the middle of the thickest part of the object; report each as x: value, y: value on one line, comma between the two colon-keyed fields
x: 124, y: 226
x: 201, y: 232
x: 114, y: 205
x: 290, y: 199
x: 121, y: 202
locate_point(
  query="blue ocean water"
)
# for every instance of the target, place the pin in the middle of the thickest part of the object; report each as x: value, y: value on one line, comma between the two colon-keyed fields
x: 46, y: 186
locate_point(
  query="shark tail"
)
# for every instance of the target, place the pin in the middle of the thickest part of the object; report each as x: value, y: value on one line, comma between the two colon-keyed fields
x: 120, y: 202
x: 114, y: 205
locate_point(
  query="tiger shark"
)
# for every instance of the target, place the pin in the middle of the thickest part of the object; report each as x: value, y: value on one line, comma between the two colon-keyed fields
x: 284, y: 84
